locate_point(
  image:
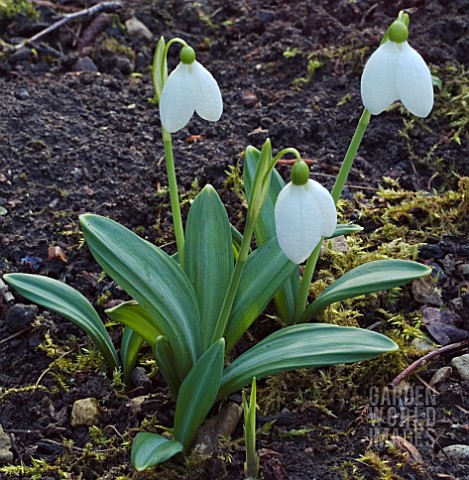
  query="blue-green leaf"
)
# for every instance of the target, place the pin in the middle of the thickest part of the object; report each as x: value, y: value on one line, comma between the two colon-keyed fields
x: 266, y: 270
x: 150, y: 449
x: 130, y: 347
x: 345, y: 229
x: 153, y: 279
x: 303, y: 346
x: 208, y: 258
x: 69, y: 303
x: 167, y: 363
x: 198, y: 392
x: 367, y: 278
x: 137, y: 318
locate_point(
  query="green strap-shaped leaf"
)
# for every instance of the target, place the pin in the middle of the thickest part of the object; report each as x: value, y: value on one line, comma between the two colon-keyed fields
x: 130, y: 347
x: 198, y: 392
x: 208, y: 258
x: 345, y: 229
x: 265, y: 272
x: 302, y: 346
x: 150, y: 449
x: 367, y: 278
x: 264, y: 230
x: 137, y: 318
x: 69, y: 303
x: 153, y: 279
x: 167, y: 363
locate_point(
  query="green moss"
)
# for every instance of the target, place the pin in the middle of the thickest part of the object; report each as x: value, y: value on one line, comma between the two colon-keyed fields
x: 313, y: 65
x: 9, y: 9
x: 69, y: 358
x: 453, y: 99
x: 349, y: 56
x: 381, y: 468
x: 111, y: 44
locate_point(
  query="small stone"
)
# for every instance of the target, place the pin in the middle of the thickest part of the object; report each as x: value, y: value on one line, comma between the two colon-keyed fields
x: 443, y: 325
x: 5, y: 444
x: 425, y: 291
x: 456, y: 304
x: 136, y: 403
x: 249, y: 99
x: 422, y: 344
x: 54, y: 203
x: 140, y: 379
x: 340, y: 244
x: 463, y: 269
x: 440, y: 375
x: 136, y: 28
x: 20, y: 55
x: 461, y: 364
x: 221, y: 425
x: 430, y: 251
x: 85, y: 412
x: 458, y: 453
x: 125, y: 65
x: 22, y: 94
x: 85, y: 64
x: 20, y: 316
x: 77, y: 174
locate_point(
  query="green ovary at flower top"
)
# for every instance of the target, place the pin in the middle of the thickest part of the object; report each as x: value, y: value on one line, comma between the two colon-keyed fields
x: 190, y: 87
x: 397, y: 72
x: 304, y: 213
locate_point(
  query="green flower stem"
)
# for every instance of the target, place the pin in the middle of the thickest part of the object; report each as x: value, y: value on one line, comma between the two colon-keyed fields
x: 234, y: 282
x: 173, y: 194
x: 336, y: 193
x: 306, y: 281
x: 350, y: 155
x: 283, y: 152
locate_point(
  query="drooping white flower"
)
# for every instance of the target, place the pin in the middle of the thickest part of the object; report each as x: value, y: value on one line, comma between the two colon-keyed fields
x: 189, y: 88
x: 303, y: 214
x: 397, y: 72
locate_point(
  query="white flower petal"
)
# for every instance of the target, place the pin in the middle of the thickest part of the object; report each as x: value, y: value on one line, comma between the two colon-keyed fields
x: 177, y: 102
x: 414, y: 81
x: 378, y: 87
x: 326, y: 207
x: 208, y: 101
x: 298, y: 222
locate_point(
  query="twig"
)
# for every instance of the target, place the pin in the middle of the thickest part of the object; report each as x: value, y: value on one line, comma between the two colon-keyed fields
x: 48, y: 369
x: 98, y: 25
x: 309, y: 161
x: 426, y: 358
x: 17, y: 334
x: 105, y: 7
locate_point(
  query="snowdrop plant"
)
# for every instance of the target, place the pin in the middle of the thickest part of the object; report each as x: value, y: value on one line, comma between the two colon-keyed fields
x: 190, y: 87
x: 192, y: 308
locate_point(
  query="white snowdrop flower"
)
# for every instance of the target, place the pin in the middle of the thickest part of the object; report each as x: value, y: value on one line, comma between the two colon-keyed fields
x: 304, y: 213
x: 397, y: 72
x: 189, y: 88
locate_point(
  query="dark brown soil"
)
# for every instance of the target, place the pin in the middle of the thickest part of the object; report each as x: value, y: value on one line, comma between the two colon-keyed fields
x: 74, y: 141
